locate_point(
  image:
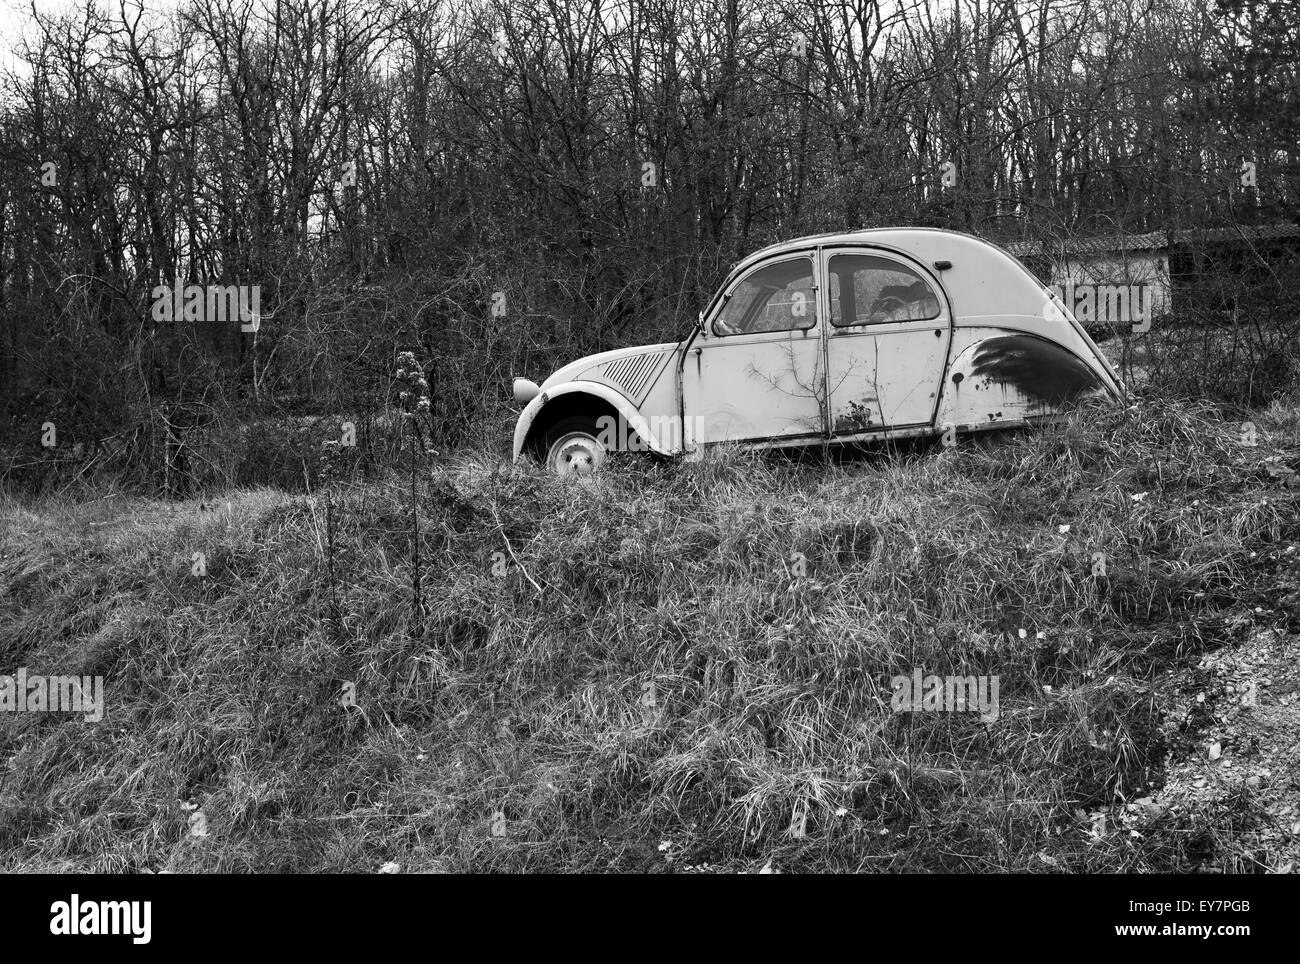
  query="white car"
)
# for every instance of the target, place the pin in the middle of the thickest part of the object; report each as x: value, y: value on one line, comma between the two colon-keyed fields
x: 878, y: 334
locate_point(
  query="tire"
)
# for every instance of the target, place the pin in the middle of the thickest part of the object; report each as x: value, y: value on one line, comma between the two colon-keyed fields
x: 574, y: 447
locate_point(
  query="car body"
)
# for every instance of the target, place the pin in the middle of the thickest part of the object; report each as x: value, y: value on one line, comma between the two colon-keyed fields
x: 846, y: 337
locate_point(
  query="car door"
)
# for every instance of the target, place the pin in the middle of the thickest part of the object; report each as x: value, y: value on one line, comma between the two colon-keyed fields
x: 888, y: 330
x: 756, y: 372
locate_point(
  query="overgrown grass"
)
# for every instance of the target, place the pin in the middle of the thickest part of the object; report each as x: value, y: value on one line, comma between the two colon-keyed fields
x: 668, y: 666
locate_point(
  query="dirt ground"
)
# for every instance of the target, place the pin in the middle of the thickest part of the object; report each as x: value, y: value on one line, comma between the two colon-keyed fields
x: 1233, y: 725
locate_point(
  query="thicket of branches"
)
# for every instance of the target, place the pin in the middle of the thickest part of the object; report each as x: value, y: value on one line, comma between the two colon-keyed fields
x: 500, y: 185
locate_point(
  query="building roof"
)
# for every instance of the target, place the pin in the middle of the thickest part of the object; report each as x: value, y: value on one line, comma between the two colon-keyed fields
x: 1154, y: 240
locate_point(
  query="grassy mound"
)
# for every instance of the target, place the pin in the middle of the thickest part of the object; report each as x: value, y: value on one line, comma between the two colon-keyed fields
x: 668, y: 667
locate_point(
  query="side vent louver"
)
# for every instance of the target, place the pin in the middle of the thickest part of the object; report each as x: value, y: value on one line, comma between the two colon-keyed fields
x: 631, y: 374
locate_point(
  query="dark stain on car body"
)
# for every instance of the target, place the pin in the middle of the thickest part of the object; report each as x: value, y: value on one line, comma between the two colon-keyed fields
x: 1042, y: 370
x: 858, y: 418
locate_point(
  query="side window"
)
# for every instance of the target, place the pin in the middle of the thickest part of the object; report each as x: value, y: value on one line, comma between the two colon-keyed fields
x: 775, y: 297
x: 869, y: 290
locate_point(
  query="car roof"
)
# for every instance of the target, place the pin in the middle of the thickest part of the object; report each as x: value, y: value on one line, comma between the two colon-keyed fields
x: 987, y: 278
x: 908, y: 239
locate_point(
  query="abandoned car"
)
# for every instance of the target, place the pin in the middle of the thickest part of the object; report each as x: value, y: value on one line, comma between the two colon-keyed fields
x: 848, y: 337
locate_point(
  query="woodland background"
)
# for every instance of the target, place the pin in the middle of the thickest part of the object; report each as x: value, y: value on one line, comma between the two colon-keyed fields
x: 387, y: 171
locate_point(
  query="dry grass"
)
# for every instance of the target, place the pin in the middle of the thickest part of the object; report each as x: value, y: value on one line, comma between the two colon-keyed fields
x: 764, y: 603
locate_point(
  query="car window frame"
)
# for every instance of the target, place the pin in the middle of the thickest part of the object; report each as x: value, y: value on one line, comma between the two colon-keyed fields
x: 882, y: 254
x: 814, y: 302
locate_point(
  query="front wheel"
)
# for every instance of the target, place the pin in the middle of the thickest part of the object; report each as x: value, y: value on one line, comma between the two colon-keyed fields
x: 574, y: 447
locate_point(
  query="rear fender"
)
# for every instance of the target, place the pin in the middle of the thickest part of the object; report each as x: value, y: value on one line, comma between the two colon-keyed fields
x: 1016, y: 376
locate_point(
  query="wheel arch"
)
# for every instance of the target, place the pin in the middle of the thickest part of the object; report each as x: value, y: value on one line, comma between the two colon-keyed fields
x: 576, y: 398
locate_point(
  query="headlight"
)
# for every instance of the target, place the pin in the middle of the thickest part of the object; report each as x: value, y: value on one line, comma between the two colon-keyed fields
x: 525, y: 391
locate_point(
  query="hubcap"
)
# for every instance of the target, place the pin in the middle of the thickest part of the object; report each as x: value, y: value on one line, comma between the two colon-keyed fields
x: 575, y: 454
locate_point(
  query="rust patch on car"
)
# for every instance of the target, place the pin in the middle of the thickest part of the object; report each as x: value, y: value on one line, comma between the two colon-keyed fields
x: 858, y: 418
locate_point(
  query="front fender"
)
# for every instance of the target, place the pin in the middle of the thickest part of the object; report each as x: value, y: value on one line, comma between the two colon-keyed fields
x: 626, y: 410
